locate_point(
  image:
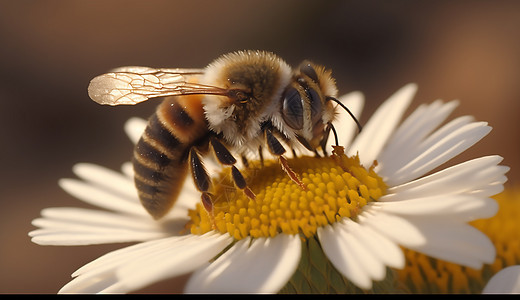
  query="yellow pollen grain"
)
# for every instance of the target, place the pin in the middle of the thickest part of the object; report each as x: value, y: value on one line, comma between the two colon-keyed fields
x: 336, y: 187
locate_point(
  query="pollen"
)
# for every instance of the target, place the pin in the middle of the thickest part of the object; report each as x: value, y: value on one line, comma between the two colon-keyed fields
x: 334, y: 187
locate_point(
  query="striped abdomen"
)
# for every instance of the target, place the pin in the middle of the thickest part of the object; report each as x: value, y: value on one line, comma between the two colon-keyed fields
x: 160, y: 156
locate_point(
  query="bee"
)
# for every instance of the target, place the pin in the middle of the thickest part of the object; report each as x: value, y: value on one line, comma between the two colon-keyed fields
x: 243, y: 101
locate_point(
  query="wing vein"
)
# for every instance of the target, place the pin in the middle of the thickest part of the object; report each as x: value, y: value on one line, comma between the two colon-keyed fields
x: 132, y: 85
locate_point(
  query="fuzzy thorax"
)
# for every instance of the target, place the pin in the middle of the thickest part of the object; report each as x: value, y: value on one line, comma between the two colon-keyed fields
x: 262, y: 75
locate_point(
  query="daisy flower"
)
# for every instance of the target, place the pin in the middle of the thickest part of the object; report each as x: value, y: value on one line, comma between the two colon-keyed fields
x: 342, y: 233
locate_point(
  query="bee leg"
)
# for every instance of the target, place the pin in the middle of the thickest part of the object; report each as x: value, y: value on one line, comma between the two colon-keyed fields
x: 276, y: 148
x: 240, y: 182
x: 207, y: 201
x: 199, y: 173
x: 245, y: 161
x: 201, y: 179
x: 226, y: 158
x: 325, y: 154
x: 294, y: 153
x: 261, y: 155
x: 287, y: 169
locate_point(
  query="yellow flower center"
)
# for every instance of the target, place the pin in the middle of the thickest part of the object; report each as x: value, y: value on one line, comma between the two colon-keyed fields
x: 336, y: 187
x: 424, y: 274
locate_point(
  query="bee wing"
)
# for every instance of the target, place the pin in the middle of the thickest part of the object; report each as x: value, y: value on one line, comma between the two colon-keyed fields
x: 131, y: 85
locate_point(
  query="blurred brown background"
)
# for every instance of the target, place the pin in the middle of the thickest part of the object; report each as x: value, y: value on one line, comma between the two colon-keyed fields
x: 50, y: 49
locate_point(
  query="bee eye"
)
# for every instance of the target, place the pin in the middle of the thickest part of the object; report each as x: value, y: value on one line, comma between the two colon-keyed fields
x: 292, y: 109
x: 315, y: 100
x: 308, y: 70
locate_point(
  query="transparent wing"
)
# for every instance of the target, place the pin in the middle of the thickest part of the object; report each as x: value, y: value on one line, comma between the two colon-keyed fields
x: 131, y: 85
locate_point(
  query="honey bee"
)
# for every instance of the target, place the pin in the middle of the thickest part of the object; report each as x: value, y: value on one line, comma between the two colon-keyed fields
x: 243, y: 101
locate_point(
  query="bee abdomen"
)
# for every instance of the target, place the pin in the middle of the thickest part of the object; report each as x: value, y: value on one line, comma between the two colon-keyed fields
x: 160, y: 156
x: 158, y: 167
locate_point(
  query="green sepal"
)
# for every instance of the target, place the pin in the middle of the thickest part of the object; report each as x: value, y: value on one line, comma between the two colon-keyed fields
x: 317, y: 275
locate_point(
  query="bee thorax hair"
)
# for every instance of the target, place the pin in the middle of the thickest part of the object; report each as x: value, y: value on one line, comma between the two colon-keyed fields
x: 261, y: 76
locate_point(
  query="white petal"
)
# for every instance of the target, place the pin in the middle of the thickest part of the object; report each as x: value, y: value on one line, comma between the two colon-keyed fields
x: 462, y: 178
x: 413, y: 131
x: 453, y: 241
x: 436, y: 151
x: 101, y: 197
x: 134, y: 128
x: 396, y: 156
x: 381, y: 125
x: 421, y: 123
x: 90, y: 285
x: 344, y: 125
x: 128, y: 169
x: 396, y: 228
x: 107, y: 179
x: 337, y: 246
x: 361, y: 250
x: 464, y: 208
x: 134, y: 267
x: 117, y: 258
x: 263, y: 265
x: 491, y: 189
x: 507, y: 281
x: 387, y: 251
x: 74, y: 238
x: 440, y: 237
x: 175, y: 260
x: 78, y: 226
x: 115, y: 191
x: 99, y: 274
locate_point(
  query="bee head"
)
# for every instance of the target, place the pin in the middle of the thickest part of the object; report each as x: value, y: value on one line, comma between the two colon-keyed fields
x: 305, y: 106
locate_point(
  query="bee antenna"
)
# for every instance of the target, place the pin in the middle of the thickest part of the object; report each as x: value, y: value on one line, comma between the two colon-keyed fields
x: 335, y: 133
x: 349, y: 112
